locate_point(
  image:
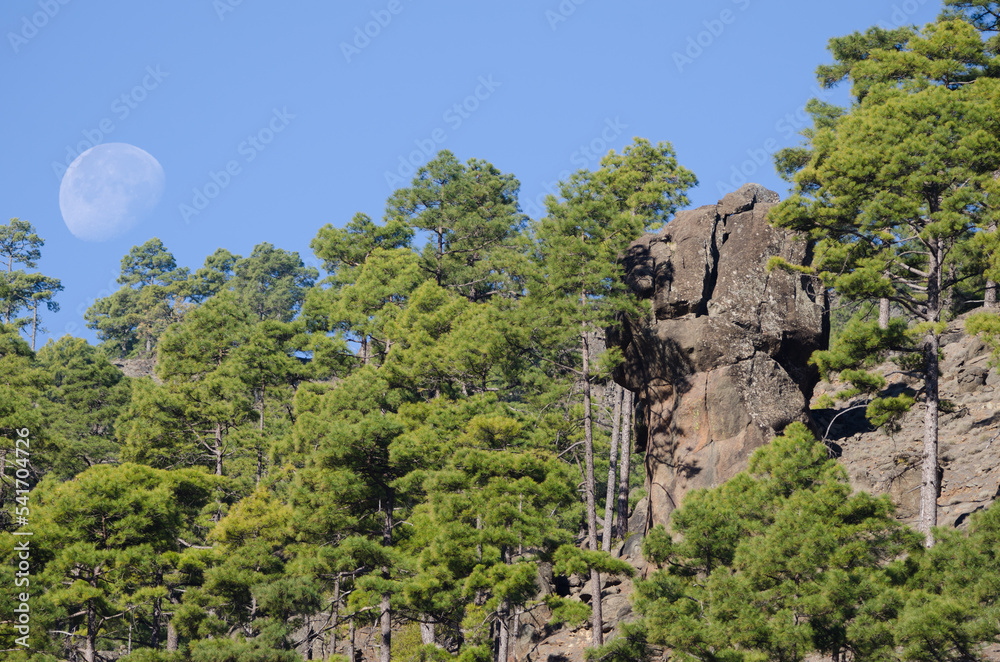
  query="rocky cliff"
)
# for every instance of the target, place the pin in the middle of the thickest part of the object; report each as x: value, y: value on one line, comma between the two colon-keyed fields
x: 720, y: 363
x: 969, y: 435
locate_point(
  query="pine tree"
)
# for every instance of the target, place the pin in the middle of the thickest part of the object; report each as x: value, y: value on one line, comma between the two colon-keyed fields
x: 471, y: 212
x: 578, y: 245
x: 891, y: 195
x: 779, y: 562
x: 84, y: 395
x: 99, y: 541
x: 130, y: 321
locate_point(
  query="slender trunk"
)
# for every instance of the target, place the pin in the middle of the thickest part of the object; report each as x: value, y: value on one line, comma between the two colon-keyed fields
x: 34, y: 324
x: 628, y: 424
x: 218, y: 449
x: 385, y: 620
x: 503, y: 615
x: 350, y: 640
x: 90, y: 646
x: 609, y: 500
x: 515, y: 628
x: 154, y: 635
x: 929, y: 474
x: 883, y: 313
x: 440, y: 255
x: 173, y: 642
x: 929, y: 469
x: 597, y: 618
x: 336, y: 617
x: 990, y: 296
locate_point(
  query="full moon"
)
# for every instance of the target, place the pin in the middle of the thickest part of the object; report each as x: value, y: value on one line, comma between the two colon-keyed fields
x: 108, y: 189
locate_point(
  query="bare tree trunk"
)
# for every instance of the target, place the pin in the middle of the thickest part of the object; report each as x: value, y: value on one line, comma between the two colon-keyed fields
x: 929, y: 475
x: 597, y: 618
x: 883, y: 313
x: 34, y: 324
x: 609, y: 500
x: 503, y: 623
x: 929, y: 483
x: 427, y: 635
x: 90, y: 646
x: 385, y: 620
x: 218, y: 449
x: 990, y: 296
x: 173, y: 642
x: 628, y: 424
x: 515, y: 628
x: 154, y: 635
x: 350, y: 640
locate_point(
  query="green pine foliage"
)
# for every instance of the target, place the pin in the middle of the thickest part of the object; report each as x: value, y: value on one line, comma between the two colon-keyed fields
x: 393, y: 455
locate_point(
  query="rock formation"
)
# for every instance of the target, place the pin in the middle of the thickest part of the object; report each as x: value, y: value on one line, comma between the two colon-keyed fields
x: 969, y: 433
x: 720, y: 364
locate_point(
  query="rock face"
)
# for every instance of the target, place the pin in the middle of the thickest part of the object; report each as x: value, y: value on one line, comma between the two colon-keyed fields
x: 720, y: 365
x: 969, y: 435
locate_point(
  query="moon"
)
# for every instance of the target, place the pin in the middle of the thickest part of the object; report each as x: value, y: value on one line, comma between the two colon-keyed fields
x: 108, y: 189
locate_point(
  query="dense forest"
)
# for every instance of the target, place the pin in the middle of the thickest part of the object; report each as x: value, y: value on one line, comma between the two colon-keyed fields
x: 380, y: 458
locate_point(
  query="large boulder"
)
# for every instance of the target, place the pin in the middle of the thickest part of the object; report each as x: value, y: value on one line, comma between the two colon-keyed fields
x: 721, y: 363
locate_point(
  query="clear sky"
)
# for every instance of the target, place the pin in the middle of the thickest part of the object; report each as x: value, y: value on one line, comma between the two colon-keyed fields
x: 319, y: 108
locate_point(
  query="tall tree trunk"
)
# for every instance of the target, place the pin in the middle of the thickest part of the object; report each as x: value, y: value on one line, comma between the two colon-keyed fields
x: 349, y: 649
x: 515, y: 628
x: 883, y: 313
x: 929, y: 475
x: 618, y: 393
x: 929, y: 470
x: 218, y: 449
x: 34, y: 324
x: 173, y: 642
x: 990, y: 296
x: 597, y: 618
x: 332, y: 647
x: 90, y: 646
x: 154, y: 634
x: 628, y: 424
x: 503, y: 631
x: 427, y: 635
x: 385, y: 620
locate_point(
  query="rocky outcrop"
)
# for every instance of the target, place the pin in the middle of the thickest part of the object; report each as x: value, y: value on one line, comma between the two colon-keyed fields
x: 720, y: 363
x: 969, y: 435
x: 136, y: 367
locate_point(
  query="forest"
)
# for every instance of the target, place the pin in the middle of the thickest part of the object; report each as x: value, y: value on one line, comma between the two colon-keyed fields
x: 378, y: 461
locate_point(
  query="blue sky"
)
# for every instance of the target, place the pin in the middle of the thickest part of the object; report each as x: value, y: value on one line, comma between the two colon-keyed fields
x: 318, y: 109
